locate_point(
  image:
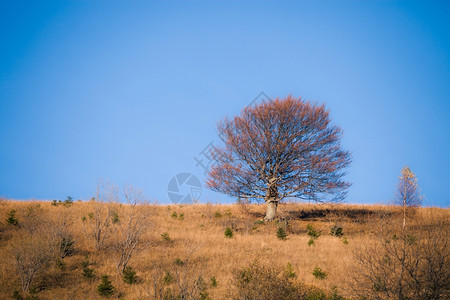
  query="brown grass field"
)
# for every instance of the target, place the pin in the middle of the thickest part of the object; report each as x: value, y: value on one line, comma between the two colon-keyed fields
x: 197, y: 239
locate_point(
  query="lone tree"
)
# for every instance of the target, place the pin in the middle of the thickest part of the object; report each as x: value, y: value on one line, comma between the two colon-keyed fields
x: 277, y: 149
x: 408, y: 192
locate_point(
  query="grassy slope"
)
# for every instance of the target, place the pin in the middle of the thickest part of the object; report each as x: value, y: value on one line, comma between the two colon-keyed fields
x: 203, y: 230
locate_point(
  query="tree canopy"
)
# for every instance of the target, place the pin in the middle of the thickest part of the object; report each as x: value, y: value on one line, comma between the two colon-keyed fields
x: 278, y: 149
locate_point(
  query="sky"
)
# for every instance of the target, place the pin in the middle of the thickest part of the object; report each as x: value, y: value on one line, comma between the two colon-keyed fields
x: 131, y: 91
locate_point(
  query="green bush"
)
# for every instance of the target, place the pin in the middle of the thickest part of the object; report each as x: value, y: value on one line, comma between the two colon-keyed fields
x: 166, y: 237
x: 311, y: 242
x: 336, y: 231
x: 88, y: 272
x: 174, y: 215
x: 312, y: 232
x: 289, y: 271
x: 228, y: 232
x: 129, y: 275
x: 12, y: 219
x: 217, y: 214
x: 68, y: 201
x: 66, y: 246
x: 318, y: 273
x: 179, y: 262
x: 105, y: 288
x: 168, y: 278
x: 214, y: 282
x: 115, y: 217
x: 281, y: 233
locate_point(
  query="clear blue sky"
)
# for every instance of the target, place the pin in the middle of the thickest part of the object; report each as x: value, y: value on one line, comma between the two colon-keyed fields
x: 130, y: 91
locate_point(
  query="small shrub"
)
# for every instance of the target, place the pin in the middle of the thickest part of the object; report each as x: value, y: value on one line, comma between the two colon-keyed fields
x: 311, y: 242
x: 260, y: 222
x: 55, y: 203
x: 281, y: 233
x: 12, y: 219
x: 105, y: 288
x: 115, y: 217
x: 334, y: 294
x: 289, y: 271
x: 312, y: 232
x: 318, y: 273
x: 174, y: 215
x: 214, y: 282
x: 217, y: 214
x: 129, y: 275
x: 87, y: 271
x: 61, y: 264
x: 68, y: 201
x: 168, y: 278
x: 179, y: 262
x: 336, y: 231
x: 67, y: 247
x: 228, y: 232
x: 228, y: 213
x: 166, y: 237
x: 16, y: 295
x: 345, y: 241
x: 181, y: 216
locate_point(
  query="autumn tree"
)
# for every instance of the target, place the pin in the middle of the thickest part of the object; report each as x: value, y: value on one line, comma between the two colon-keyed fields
x: 408, y: 193
x: 278, y: 149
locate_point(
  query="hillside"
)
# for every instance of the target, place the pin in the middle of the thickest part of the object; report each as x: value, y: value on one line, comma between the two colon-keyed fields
x: 181, y: 244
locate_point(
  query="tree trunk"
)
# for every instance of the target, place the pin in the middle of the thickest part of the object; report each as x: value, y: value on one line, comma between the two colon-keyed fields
x: 271, y: 210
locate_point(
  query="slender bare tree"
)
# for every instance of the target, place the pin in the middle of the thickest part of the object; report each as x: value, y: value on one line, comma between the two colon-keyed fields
x: 132, y: 222
x: 408, y: 192
x: 97, y: 224
x: 278, y: 149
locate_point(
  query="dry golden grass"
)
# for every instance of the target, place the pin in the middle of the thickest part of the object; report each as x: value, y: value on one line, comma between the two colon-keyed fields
x: 201, y: 233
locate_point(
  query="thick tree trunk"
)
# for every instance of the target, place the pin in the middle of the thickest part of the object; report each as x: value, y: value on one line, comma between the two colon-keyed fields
x: 271, y: 211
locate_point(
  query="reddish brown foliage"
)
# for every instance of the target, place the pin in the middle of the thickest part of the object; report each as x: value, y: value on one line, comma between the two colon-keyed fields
x: 282, y: 148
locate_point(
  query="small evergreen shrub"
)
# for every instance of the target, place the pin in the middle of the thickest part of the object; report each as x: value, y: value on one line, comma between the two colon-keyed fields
x: 345, y: 241
x: 88, y: 272
x: 12, y: 219
x: 168, y: 278
x: 67, y: 247
x: 61, y: 264
x: 16, y: 295
x: 129, y: 275
x: 318, y: 273
x: 334, y: 294
x: 105, y: 288
x: 289, y: 271
x: 179, y: 262
x: 68, y: 201
x: 115, y: 217
x: 312, y: 232
x: 336, y: 231
x: 228, y: 232
x: 174, y: 215
x: 281, y: 233
x: 181, y: 217
x: 214, y: 282
x: 311, y: 242
x: 228, y: 213
x: 166, y: 237
x: 217, y: 214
